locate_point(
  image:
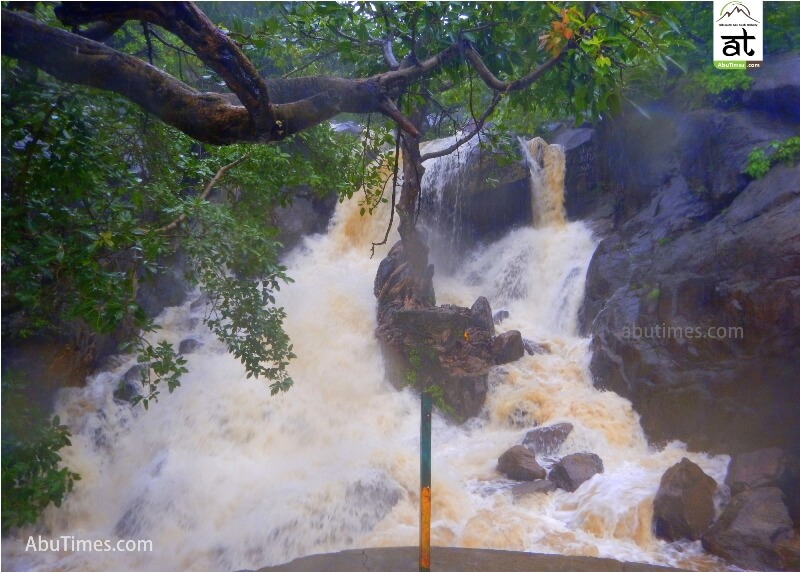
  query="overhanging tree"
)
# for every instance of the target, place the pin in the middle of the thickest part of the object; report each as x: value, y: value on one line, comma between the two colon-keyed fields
x: 465, y: 60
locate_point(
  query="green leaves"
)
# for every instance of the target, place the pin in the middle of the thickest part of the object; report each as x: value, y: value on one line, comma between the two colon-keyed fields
x: 161, y: 364
x: 31, y: 473
x: 761, y: 159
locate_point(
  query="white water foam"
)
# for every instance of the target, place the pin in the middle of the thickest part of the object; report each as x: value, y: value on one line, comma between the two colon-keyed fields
x: 222, y: 476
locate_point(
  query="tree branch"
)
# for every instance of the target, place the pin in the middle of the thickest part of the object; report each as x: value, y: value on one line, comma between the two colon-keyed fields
x: 207, y: 191
x: 490, y: 80
x: 187, y: 22
x: 478, y: 126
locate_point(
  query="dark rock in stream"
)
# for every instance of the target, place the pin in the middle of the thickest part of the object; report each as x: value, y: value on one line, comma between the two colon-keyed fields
x: 533, y: 487
x: 546, y: 440
x: 520, y: 464
x: 481, y: 315
x: 447, y: 346
x: 684, y: 503
x: 754, y: 531
x: 189, y: 346
x: 574, y: 470
x: 499, y: 316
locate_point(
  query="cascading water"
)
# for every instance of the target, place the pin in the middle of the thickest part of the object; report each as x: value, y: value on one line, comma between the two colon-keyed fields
x: 221, y: 476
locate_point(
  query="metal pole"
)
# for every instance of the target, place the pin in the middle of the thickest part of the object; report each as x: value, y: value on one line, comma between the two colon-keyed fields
x: 425, y: 484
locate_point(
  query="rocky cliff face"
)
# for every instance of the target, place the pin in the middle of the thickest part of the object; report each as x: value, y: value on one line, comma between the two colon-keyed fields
x: 693, y: 300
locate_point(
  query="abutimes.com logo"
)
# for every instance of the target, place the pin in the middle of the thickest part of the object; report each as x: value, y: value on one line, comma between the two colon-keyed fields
x: 738, y: 34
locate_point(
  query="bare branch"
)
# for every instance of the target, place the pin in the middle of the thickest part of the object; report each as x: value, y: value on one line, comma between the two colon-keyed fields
x: 490, y: 80
x: 478, y: 126
x: 388, y: 54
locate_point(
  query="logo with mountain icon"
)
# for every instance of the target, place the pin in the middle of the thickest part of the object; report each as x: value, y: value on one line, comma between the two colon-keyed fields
x: 735, y: 9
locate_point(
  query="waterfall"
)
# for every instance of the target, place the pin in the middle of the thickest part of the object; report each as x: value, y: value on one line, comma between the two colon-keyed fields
x: 222, y: 476
x: 546, y: 163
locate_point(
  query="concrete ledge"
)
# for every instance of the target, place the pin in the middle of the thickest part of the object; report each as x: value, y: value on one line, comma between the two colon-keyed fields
x: 404, y: 559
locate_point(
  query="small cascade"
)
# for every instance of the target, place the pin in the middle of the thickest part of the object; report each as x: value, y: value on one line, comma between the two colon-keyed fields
x: 442, y: 195
x: 547, y: 166
x: 221, y: 476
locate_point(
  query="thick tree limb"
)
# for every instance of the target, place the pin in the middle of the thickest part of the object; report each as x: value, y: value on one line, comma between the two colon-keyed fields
x: 206, y: 117
x: 273, y: 109
x: 186, y: 21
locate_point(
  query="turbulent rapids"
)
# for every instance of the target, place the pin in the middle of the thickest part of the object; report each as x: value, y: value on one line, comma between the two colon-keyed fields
x: 222, y: 476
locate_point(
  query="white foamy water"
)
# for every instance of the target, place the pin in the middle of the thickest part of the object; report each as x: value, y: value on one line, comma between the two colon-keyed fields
x: 222, y: 476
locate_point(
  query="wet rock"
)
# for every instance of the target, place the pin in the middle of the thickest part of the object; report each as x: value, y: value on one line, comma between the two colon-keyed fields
x: 507, y: 347
x: 546, y: 440
x: 776, y: 87
x: 425, y: 345
x: 201, y: 302
x: 306, y: 213
x: 684, y: 504
x: 481, y: 315
x: 574, y: 470
x: 483, y: 195
x: 760, y: 468
x: 532, y: 488
x: 499, y: 316
x: 728, y: 390
x: 520, y: 464
x: 583, y: 165
x: 532, y: 348
x: 189, y: 345
x: 750, y: 530
x: 128, y: 386
x: 372, y: 499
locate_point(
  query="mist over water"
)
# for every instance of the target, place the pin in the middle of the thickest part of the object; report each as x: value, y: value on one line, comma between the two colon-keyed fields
x: 222, y: 476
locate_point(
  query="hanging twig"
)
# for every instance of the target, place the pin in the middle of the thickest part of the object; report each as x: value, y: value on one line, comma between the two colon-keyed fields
x: 207, y: 191
x: 394, y: 191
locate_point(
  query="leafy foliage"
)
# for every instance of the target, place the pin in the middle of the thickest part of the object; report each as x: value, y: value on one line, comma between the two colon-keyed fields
x: 761, y: 159
x: 31, y: 472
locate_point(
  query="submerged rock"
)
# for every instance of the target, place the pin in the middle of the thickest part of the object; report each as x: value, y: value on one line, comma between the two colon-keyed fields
x: 520, y: 464
x: 753, y: 531
x: 189, y: 346
x: 546, y: 440
x: 499, y: 316
x: 533, y: 487
x: 532, y: 348
x: 574, y: 470
x: 684, y: 504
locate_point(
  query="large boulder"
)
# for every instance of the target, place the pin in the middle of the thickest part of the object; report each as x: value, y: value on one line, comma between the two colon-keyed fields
x: 754, y: 531
x: 546, y: 440
x: 760, y: 468
x: 693, y: 303
x: 520, y: 464
x: 574, y: 470
x: 684, y: 503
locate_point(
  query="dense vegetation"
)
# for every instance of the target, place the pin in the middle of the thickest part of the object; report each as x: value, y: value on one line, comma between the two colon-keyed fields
x: 99, y: 195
